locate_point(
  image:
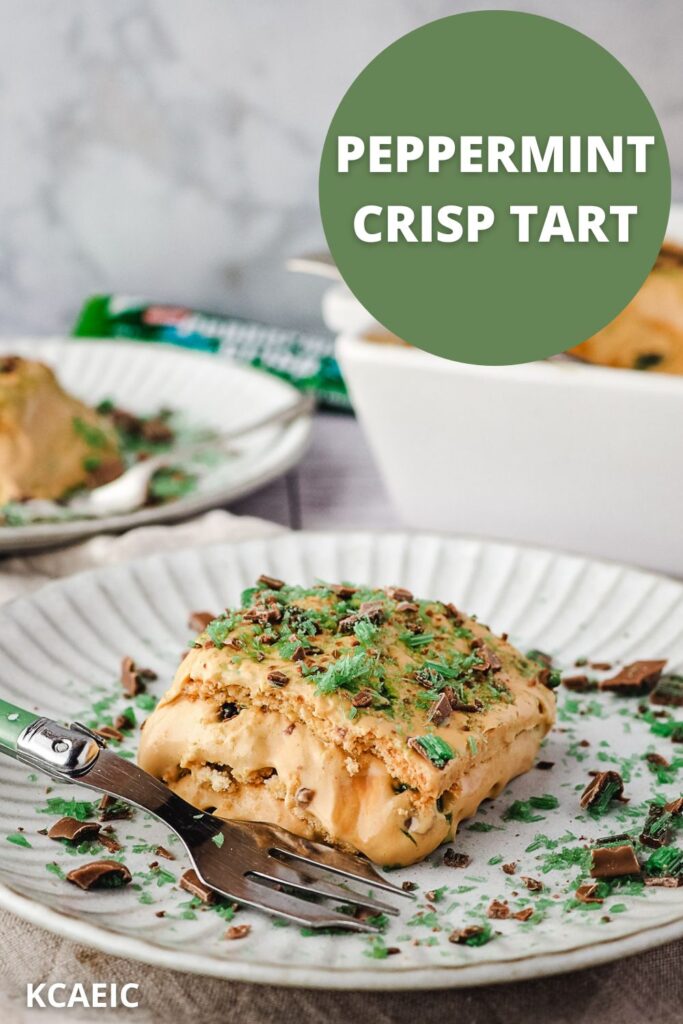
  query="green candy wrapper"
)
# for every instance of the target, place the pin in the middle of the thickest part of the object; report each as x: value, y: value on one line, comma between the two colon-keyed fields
x: 305, y: 360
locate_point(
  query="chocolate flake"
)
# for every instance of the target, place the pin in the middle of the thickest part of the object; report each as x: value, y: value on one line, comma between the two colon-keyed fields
x: 198, y: 621
x: 440, y: 711
x: 668, y: 691
x: 666, y: 881
x: 161, y: 851
x: 192, y: 883
x: 109, y: 842
x: 238, y: 931
x: 452, y: 859
x: 73, y: 830
x: 373, y: 611
x: 603, y: 787
x: 409, y: 886
x: 614, y: 861
x: 399, y: 594
x: 579, y: 684
x: 635, y: 679
x: 675, y: 807
x: 588, y: 893
x: 277, y: 678
x: 133, y: 678
x: 111, y: 809
x: 524, y: 915
x: 462, y: 936
x: 532, y: 884
x: 510, y: 868
x: 100, y: 874
x: 454, y: 614
x: 544, y: 766
x: 271, y: 582
x: 108, y: 732
x: 363, y: 699
x: 657, y: 830
x: 498, y: 910
x: 343, y: 591
x: 407, y: 608
x: 489, y: 660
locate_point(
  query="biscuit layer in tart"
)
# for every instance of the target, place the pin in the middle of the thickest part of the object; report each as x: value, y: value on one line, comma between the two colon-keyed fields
x: 362, y: 717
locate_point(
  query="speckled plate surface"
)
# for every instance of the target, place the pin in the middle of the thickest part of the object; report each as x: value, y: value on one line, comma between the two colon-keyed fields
x: 204, y: 390
x: 59, y: 653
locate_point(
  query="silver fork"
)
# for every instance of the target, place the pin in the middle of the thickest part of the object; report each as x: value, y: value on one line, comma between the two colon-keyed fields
x: 260, y: 865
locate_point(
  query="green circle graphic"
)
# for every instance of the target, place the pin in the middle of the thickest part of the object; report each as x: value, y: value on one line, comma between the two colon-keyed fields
x: 497, y: 300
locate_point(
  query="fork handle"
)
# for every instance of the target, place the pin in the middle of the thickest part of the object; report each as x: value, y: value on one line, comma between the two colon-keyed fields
x: 13, y: 721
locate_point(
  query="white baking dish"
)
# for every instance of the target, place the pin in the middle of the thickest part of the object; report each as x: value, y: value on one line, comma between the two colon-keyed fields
x: 554, y: 453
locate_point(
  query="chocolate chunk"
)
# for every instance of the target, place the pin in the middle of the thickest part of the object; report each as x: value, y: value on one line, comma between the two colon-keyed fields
x: 277, y: 678
x: 452, y: 859
x: 304, y: 795
x: 373, y: 611
x: 263, y: 614
x: 347, y: 624
x: 453, y: 613
x: 161, y: 851
x: 544, y: 766
x: 675, y: 807
x: 524, y: 915
x: 198, y: 621
x: 409, y: 886
x: 111, y: 809
x: 298, y: 653
x: 123, y: 723
x: 579, y: 684
x: 238, y: 931
x: 462, y: 936
x: 666, y: 881
x: 108, y: 732
x: 614, y: 861
x: 601, y: 666
x: 440, y: 711
x: 109, y: 842
x: 399, y: 594
x: 489, y: 660
x: 668, y: 691
x: 532, y: 884
x: 588, y: 893
x: 657, y: 830
x: 343, y: 591
x: 603, y: 787
x: 363, y: 699
x: 192, y: 883
x: 73, y: 830
x: 271, y: 582
x: 634, y: 679
x: 510, y: 868
x: 407, y: 608
x: 228, y: 710
x: 657, y: 760
x: 156, y: 430
x: 133, y: 678
x: 498, y: 910
x: 100, y: 874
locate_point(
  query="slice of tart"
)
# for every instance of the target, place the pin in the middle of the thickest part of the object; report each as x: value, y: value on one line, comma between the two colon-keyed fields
x: 362, y: 717
x: 50, y: 442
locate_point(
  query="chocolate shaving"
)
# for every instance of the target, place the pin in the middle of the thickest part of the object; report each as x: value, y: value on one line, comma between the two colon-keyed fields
x: 451, y: 859
x: 462, y: 935
x: 238, y: 931
x: 675, y: 807
x: 108, y: 732
x: 198, y: 621
x: 161, y: 851
x: 373, y: 611
x: 277, y: 678
x: 614, y: 861
x: 272, y: 582
x: 440, y: 711
x: 133, y: 678
x: 588, y: 893
x: 489, y: 660
x: 635, y: 679
x: 524, y: 915
x: 510, y: 868
x: 73, y: 830
x: 100, y: 874
x: 111, y: 809
x: 532, y: 884
x: 657, y: 760
x: 657, y: 829
x: 597, y: 786
x: 544, y: 766
x: 192, y: 883
x: 498, y: 910
x: 263, y: 615
x: 666, y: 881
x: 399, y: 594
x: 123, y: 723
x: 363, y: 699
x: 453, y: 613
x: 409, y: 886
x: 579, y: 684
x: 668, y: 691
x: 407, y: 608
x: 343, y: 591
x: 109, y: 843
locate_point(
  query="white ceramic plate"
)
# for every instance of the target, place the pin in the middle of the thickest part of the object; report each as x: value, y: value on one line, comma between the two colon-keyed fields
x: 207, y: 391
x: 59, y: 652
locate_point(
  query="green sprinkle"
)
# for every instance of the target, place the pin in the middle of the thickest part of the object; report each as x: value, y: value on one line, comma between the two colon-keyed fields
x: 18, y: 840
x: 547, y: 802
x: 435, y: 749
x: 218, y: 839
x: 521, y: 810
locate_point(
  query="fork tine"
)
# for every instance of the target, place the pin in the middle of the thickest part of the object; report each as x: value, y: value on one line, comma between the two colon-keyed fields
x: 261, y: 897
x: 316, y: 855
x: 309, y: 882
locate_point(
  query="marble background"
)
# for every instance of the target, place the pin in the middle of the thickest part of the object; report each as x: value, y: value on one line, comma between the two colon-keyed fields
x: 170, y: 147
